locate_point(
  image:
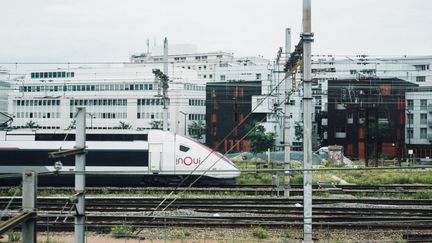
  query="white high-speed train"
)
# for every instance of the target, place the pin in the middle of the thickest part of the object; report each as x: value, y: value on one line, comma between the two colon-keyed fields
x: 113, y: 157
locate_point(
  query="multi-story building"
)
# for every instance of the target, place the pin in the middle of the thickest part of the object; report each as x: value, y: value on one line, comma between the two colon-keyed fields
x: 419, y: 121
x: 210, y: 66
x: 228, y: 105
x: 367, y: 116
x: 324, y: 68
x: 130, y: 94
x: 4, y: 91
x: 415, y: 69
x: 187, y: 58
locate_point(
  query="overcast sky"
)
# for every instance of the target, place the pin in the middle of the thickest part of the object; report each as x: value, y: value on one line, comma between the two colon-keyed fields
x: 111, y: 30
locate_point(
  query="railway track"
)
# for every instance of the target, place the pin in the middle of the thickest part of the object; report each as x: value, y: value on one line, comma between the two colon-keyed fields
x: 151, y: 202
x: 103, y: 213
x: 296, y: 190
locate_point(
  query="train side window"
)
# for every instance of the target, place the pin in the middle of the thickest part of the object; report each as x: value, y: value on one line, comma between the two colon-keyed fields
x: 184, y: 148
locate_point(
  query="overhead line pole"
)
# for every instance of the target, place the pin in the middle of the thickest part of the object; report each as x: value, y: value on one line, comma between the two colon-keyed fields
x: 29, y: 199
x: 165, y: 98
x: 287, y: 140
x: 80, y: 163
x: 307, y: 37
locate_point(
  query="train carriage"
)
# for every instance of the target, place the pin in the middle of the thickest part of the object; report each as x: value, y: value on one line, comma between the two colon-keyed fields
x: 114, y: 157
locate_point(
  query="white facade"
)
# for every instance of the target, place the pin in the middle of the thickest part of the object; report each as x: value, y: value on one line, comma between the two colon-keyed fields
x: 210, y: 66
x: 126, y: 94
x: 205, y: 64
x: 416, y: 69
x: 4, y: 91
x: 418, y: 126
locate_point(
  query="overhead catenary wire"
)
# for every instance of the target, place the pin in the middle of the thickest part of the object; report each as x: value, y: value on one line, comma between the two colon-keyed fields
x: 287, y: 75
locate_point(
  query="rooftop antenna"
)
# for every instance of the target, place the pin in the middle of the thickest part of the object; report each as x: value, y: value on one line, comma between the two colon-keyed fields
x: 148, y: 45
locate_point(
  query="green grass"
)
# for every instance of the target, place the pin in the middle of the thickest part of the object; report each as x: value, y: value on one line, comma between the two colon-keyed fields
x: 423, y: 195
x: 371, y: 177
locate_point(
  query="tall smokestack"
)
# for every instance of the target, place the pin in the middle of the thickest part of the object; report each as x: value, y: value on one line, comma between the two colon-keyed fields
x: 165, y: 57
x: 287, y: 42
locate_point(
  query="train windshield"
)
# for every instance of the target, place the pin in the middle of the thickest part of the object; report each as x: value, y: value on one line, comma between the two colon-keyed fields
x: 184, y: 148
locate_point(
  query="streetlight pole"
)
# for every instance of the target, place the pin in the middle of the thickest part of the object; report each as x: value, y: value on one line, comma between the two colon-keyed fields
x: 410, y: 120
x: 183, y: 113
x: 91, y: 119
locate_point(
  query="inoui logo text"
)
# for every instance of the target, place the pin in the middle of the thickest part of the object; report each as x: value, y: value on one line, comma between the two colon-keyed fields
x: 188, y: 161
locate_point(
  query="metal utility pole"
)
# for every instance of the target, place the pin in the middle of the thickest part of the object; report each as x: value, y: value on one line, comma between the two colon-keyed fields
x: 287, y: 125
x: 307, y: 37
x: 185, y: 124
x: 80, y: 162
x: 163, y: 87
x: 165, y: 71
x: 287, y: 42
x: 29, y: 205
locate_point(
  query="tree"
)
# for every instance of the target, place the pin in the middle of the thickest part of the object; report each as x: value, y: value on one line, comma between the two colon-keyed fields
x: 298, y: 131
x: 260, y: 141
x: 156, y: 125
x: 197, y: 129
x: 31, y: 124
x: 123, y: 125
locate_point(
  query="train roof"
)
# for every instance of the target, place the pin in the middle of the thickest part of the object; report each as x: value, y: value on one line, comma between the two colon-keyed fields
x: 71, y: 131
x: 69, y: 135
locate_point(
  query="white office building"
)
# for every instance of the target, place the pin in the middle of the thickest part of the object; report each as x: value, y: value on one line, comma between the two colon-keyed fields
x: 419, y: 117
x: 129, y: 94
x: 4, y: 92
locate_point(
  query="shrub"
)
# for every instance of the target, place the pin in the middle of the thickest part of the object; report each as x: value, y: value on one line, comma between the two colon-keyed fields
x: 124, y: 230
x: 260, y: 233
x: 14, y: 236
x: 187, y: 233
x: 14, y: 191
x: 105, y: 191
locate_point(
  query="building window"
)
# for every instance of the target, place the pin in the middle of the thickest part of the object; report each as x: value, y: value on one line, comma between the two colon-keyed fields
x: 423, y: 133
x: 422, y: 67
x: 340, y: 132
x: 350, y: 118
x: 258, y: 76
x: 420, y: 78
x: 410, y: 104
x: 410, y: 133
x: 423, y: 105
x: 222, y: 77
x: 410, y: 118
x: 423, y: 119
